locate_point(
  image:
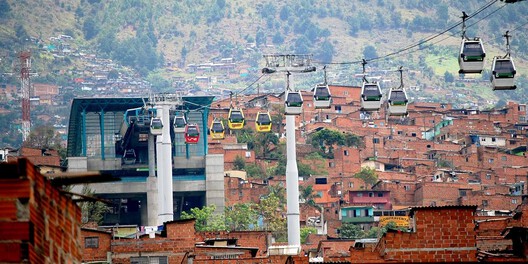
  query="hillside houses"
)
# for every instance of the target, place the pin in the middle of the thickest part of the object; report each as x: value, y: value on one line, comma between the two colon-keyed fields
x: 436, y: 156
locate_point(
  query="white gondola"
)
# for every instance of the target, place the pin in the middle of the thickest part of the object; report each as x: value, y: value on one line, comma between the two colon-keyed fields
x: 293, y: 103
x: 156, y: 126
x: 370, y: 96
x: 397, y: 103
x: 472, y: 54
x: 179, y: 124
x: 322, y: 96
x: 503, y: 74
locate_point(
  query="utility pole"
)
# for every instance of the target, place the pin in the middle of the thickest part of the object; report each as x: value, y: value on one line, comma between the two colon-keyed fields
x: 290, y: 64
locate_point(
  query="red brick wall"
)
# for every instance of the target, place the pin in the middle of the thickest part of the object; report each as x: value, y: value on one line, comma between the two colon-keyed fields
x: 99, y: 253
x: 449, y: 230
x: 54, y: 218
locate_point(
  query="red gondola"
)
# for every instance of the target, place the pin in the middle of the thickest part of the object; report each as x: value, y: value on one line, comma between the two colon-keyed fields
x: 192, y: 134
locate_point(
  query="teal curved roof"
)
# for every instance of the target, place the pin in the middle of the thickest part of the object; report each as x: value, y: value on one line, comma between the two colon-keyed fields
x: 80, y: 105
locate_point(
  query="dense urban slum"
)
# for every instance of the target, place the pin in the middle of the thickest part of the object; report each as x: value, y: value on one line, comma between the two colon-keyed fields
x: 455, y: 177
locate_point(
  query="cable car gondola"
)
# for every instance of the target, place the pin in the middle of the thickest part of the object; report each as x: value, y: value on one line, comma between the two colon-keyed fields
x: 322, y: 96
x: 192, y: 134
x: 129, y: 157
x: 217, y: 129
x: 179, y: 124
x: 397, y: 102
x: 503, y: 70
x: 156, y: 126
x: 370, y: 96
x: 472, y: 54
x: 503, y: 74
x: 263, y: 122
x: 293, y: 103
x: 235, y: 119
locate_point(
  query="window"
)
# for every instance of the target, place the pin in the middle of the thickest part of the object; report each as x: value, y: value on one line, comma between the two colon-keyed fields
x: 345, y: 92
x: 488, y: 176
x: 345, y: 152
x: 490, y: 160
x: 371, y: 194
x: 248, y: 154
x: 380, y: 194
x: 484, y: 202
x: 91, y: 242
x: 462, y: 193
x: 375, y: 140
x: 503, y: 158
x: 400, y: 132
x: 467, y: 159
x: 413, y: 134
x: 338, y: 108
x: 331, y: 164
x: 514, y: 201
x: 351, y: 185
x: 493, y: 139
x: 359, y: 194
x: 406, y: 187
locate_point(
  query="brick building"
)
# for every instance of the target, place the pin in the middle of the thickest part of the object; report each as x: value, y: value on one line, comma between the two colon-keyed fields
x: 38, y: 222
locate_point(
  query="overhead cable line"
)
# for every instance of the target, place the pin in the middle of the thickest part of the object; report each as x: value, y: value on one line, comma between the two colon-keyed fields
x: 486, y: 6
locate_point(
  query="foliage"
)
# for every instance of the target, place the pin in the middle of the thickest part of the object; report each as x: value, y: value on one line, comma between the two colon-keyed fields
x: 272, y: 211
x: 349, y: 230
x: 5, y: 8
x: 369, y: 52
x: 92, y: 211
x: 305, y: 232
x: 239, y: 163
x: 307, y: 194
x: 325, y: 139
x: 449, y: 77
x: 254, y: 171
x: 43, y: 137
x: 246, y: 135
x: 368, y: 176
x: 241, y: 217
x: 263, y: 143
x: 206, y: 220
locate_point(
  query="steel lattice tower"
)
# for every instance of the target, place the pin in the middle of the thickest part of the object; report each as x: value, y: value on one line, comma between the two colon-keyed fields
x: 25, y: 63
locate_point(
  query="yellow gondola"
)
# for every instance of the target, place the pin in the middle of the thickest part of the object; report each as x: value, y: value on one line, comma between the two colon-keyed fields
x: 235, y: 120
x: 217, y: 129
x: 263, y: 122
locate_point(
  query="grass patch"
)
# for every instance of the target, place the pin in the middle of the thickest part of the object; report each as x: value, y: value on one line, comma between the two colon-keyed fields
x: 442, y: 63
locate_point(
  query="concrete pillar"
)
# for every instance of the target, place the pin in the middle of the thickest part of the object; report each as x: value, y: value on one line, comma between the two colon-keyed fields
x: 214, y: 181
x: 152, y: 201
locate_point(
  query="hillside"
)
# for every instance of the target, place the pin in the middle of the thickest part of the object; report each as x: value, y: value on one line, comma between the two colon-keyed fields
x: 159, y: 38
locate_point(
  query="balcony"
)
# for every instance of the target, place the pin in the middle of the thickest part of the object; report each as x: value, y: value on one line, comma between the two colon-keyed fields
x: 359, y: 219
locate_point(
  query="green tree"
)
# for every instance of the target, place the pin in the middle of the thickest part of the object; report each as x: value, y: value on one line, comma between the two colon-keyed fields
x: 368, y: 176
x: 349, y: 230
x: 449, y: 77
x: 92, y: 211
x: 325, y: 139
x: 239, y: 163
x: 246, y: 135
x: 263, y: 143
x: 43, y: 137
x: 369, y: 52
x: 272, y: 212
x: 305, y: 232
x: 308, y: 195
x: 90, y: 29
x: 206, y: 219
x: 241, y: 217
x: 5, y: 8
